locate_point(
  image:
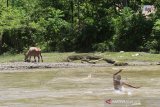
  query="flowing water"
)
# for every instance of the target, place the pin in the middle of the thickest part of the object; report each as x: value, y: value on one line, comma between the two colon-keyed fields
x: 80, y: 87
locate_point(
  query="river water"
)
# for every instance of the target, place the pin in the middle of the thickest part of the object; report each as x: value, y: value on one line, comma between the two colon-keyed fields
x: 80, y: 87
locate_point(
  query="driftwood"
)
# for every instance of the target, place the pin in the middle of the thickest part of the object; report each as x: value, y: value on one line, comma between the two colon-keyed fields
x: 94, y: 59
x: 120, y: 64
x: 109, y: 60
x: 82, y: 58
x: 89, y: 59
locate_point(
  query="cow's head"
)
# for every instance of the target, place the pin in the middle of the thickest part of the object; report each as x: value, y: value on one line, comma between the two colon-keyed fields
x: 26, y: 58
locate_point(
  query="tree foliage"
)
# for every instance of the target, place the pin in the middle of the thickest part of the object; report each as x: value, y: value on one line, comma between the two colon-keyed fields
x: 79, y: 25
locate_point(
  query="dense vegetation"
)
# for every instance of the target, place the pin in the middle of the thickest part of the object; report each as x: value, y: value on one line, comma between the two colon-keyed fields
x: 78, y: 25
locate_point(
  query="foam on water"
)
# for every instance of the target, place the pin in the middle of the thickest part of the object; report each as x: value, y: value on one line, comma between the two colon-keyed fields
x: 124, y: 91
x: 88, y: 77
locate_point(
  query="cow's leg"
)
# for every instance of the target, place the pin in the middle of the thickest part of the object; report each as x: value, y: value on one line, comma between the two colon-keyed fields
x: 38, y: 58
x: 29, y: 58
x: 34, y: 58
x: 41, y: 57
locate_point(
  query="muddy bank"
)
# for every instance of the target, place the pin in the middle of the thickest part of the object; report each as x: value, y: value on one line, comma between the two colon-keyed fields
x: 26, y: 65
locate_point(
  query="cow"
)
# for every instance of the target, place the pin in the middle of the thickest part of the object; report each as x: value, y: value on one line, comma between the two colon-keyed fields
x: 33, y: 51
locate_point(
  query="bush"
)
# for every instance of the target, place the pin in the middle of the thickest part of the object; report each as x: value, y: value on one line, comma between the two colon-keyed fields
x: 131, y: 30
x: 153, y: 44
x: 104, y: 46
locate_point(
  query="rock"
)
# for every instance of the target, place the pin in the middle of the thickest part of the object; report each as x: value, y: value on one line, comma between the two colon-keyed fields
x: 121, y: 51
x: 109, y: 61
x: 120, y: 64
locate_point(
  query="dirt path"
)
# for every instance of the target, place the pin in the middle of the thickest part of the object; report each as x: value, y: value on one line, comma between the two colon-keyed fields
x: 26, y: 65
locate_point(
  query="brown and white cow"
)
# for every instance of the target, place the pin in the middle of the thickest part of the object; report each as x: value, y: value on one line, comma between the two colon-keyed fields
x: 33, y: 51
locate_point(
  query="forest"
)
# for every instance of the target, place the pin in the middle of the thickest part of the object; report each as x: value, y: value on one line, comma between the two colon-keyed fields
x: 79, y: 25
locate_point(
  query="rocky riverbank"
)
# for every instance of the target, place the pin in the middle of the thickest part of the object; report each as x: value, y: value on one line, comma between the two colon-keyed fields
x: 31, y: 65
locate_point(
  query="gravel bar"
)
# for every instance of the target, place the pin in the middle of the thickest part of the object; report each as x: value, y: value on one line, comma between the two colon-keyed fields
x: 33, y: 65
x: 26, y: 65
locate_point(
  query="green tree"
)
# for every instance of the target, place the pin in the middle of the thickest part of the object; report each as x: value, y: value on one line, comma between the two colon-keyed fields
x: 131, y: 30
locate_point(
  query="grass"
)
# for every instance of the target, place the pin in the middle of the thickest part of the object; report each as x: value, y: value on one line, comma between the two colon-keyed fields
x: 11, y: 58
x: 61, y: 57
x: 132, y: 56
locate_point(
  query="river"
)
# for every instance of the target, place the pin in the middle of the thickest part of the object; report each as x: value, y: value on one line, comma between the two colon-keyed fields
x: 80, y: 87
